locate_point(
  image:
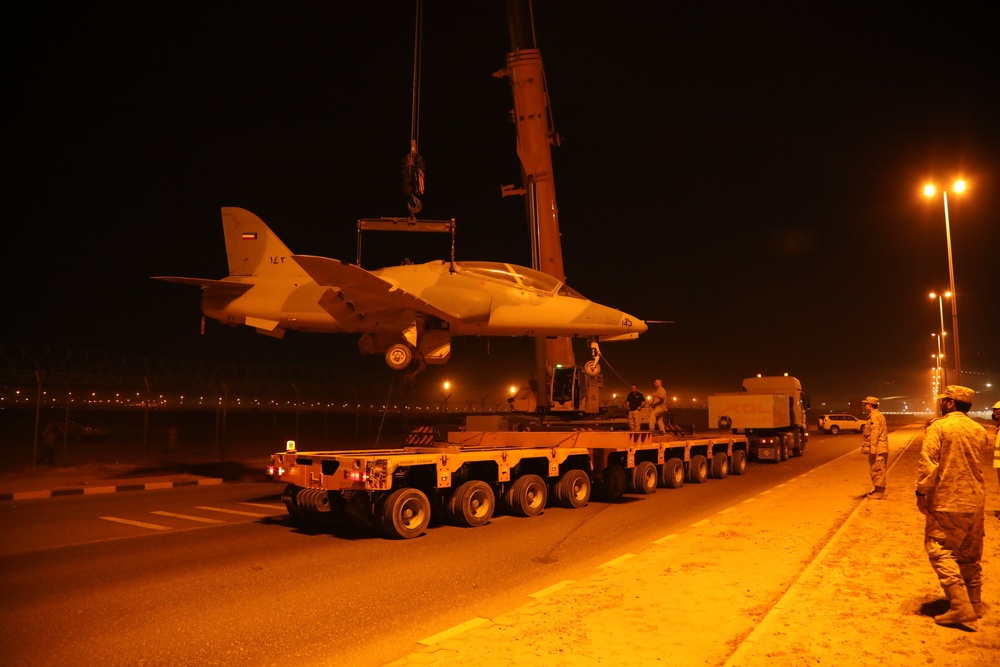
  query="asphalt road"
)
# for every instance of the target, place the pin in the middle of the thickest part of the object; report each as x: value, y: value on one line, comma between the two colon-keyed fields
x: 217, y: 575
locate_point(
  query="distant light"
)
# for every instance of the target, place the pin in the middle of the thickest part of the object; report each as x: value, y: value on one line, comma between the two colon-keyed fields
x: 959, y: 186
x: 929, y: 190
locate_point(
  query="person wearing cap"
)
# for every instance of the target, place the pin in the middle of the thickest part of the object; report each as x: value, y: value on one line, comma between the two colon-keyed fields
x: 875, y: 443
x: 996, y: 439
x: 951, y: 493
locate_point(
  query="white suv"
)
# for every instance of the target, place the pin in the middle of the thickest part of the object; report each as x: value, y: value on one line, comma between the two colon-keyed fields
x: 835, y: 423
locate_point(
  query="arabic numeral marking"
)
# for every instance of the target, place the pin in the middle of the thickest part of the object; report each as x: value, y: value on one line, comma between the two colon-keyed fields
x: 277, y: 260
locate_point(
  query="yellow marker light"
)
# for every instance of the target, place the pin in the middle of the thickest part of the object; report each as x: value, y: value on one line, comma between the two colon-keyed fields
x: 290, y: 446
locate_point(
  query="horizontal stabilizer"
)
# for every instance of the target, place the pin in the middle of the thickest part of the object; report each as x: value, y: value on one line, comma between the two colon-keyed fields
x: 611, y: 339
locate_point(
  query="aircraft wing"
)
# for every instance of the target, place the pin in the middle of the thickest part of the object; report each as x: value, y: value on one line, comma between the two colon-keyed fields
x: 357, y: 294
x: 216, y: 287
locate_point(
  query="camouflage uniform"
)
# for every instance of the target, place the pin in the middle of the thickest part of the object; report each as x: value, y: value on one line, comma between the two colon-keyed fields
x: 950, y: 474
x: 875, y: 443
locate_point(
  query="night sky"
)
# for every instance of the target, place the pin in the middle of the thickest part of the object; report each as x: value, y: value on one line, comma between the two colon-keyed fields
x: 752, y: 173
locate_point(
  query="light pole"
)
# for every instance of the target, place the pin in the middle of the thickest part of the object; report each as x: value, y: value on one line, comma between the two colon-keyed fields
x: 943, y: 332
x: 929, y: 191
x: 446, y: 394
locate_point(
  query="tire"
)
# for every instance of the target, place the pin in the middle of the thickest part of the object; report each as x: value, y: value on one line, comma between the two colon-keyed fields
x: 592, y: 368
x: 398, y: 357
x: 738, y: 465
x: 613, y: 483
x: 785, y: 447
x: 799, y: 448
x: 472, y: 504
x: 644, y: 477
x: 720, y: 466
x: 697, y: 469
x: 834, y: 430
x: 573, y: 489
x: 672, y: 474
x: 405, y: 513
x: 289, y: 497
x: 527, y: 496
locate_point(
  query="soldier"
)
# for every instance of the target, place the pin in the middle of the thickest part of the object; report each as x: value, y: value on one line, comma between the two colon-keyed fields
x: 951, y: 493
x: 996, y: 441
x: 634, y: 401
x: 875, y: 443
x: 658, y: 403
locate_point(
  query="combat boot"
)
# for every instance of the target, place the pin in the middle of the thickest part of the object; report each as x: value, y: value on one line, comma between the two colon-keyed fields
x: 961, y: 611
x: 878, y: 493
x: 976, y: 599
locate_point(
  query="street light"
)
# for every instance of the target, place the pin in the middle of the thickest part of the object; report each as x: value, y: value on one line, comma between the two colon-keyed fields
x: 930, y: 191
x: 943, y: 332
x: 446, y: 394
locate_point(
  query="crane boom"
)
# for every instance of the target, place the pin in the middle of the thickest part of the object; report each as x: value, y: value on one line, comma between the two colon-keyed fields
x: 535, y: 137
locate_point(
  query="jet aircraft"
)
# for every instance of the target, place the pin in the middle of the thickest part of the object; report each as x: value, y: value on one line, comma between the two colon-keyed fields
x: 409, y: 313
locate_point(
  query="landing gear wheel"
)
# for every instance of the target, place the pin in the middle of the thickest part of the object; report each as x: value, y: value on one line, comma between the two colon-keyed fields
x: 613, y: 483
x: 472, y: 504
x: 573, y: 489
x: 592, y: 367
x: 720, y: 466
x: 398, y: 357
x: 738, y: 465
x: 527, y: 495
x: 405, y: 513
x: 672, y: 474
x: 644, y: 477
x: 697, y: 469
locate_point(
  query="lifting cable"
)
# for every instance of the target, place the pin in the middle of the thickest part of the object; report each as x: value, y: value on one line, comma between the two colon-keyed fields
x: 413, y: 163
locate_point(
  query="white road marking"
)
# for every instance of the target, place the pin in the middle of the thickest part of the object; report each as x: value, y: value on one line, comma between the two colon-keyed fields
x: 140, y: 524
x: 225, y: 511
x: 451, y: 632
x: 616, y: 561
x: 551, y: 589
x: 276, y: 508
x: 189, y: 517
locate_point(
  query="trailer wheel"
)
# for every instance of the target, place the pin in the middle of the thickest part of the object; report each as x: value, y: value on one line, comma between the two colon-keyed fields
x: 672, y: 474
x: 697, y: 469
x: 720, y: 465
x: 405, y: 513
x: 644, y: 477
x: 613, y: 483
x: 472, y: 504
x: 527, y: 496
x: 739, y: 463
x: 573, y: 489
x: 290, y: 496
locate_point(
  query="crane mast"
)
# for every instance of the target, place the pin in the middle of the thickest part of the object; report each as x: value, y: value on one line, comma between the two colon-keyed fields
x: 535, y: 137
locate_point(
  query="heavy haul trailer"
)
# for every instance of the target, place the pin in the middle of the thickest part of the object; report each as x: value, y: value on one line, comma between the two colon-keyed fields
x: 461, y: 480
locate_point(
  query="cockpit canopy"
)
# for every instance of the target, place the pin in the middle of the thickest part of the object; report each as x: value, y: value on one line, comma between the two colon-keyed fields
x: 520, y: 276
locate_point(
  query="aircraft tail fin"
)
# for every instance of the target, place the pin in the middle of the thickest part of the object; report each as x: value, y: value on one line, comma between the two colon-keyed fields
x: 251, y: 247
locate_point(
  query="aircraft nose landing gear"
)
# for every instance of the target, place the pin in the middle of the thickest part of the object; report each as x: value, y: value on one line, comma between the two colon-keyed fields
x: 593, y: 367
